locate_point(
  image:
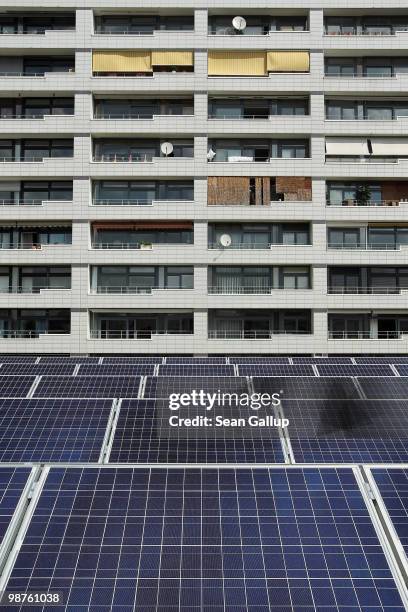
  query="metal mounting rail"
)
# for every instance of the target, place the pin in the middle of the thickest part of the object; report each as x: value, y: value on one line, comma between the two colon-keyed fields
x: 389, y: 540
x: 21, y: 520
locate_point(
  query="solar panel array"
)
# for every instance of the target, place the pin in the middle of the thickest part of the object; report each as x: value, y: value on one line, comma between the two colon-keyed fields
x: 205, y: 539
x: 231, y: 522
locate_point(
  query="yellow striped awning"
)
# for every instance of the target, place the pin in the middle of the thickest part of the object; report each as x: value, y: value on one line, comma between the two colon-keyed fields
x: 288, y: 61
x: 237, y: 63
x: 121, y: 61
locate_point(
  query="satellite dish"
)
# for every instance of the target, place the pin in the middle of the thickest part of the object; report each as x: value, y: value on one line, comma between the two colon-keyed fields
x: 166, y: 148
x: 239, y: 23
x: 225, y: 240
x: 211, y: 154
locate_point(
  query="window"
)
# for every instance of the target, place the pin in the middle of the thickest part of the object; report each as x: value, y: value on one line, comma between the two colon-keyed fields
x: 33, y: 279
x: 344, y: 280
x: 178, y: 277
x: 291, y: 107
x: 344, y: 238
x: 40, y: 65
x: 382, y: 69
x: 8, y: 25
x: 340, y: 26
x: 378, y: 112
x: 293, y: 149
x: 296, y: 322
x: 293, y: 233
x: 35, y: 150
x: 7, y: 150
x: 341, y: 110
x: 340, y: 67
x: 338, y: 194
x: 295, y: 278
x: 41, y: 190
x: 176, y: 190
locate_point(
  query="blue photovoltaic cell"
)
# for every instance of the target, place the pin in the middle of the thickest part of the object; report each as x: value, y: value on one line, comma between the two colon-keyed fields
x: 355, y: 370
x: 385, y: 388
x: 322, y: 360
x: 52, y: 430
x: 275, y: 370
x: 12, y: 482
x: 88, y: 386
x: 393, y: 486
x: 15, y: 386
x: 37, y: 369
x: 135, y: 359
x: 67, y: 359
x: 118, y: 369
x: 306, y: 387
x: 348, y: 431
x: 210, y: 540
x: 402, y: 369
x: 249, y: 359
x: 143, y: 435
x: 196, y: 360
x: 164, y: 386
x: 384, y: 359
x: 198, y: 370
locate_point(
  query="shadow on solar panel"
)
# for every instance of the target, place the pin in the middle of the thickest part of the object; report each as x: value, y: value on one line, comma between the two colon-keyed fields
x: 385, y: 388
x: 348, y: 431
x: 143, y: 434
x: 306, y: 387
x: 163, y: 386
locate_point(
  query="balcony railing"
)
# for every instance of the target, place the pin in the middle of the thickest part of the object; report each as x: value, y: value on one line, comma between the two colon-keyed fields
x: 98, y: 334
x: 132, y: 158
x: 351, y: 202
x: 364, y: 335
x: 31, y: 290
x: 30, y: 202
x: 379, y: 75
x: 364, y: 247
x: 393, y: 32
x: 130, y: 32
x: 250, y: 290
x: 252, y: 335
x: 31, y: 245
x: 366, y: 290
x: 39, y: 30
x: 352, y: 159
x: 36, y: 74
x: 142, y: 116
x: 264, y: 247
x: 143, y: 202
x: 135, y: 245
x: 35, y: 116
x: 32, y: 158
x: 29, y: 334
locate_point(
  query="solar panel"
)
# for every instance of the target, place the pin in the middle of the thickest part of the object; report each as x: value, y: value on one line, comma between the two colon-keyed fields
x: 135, y: 359
x: 198, y: 370
x: 250, y: 359
x: 143, y: 435
x: 164, y: 386
x: 68, y: 359
x: 211, y: 540
x: 275, y: 370
x: 15, y: 386
x: 306, y: 387
x: 402, y: 370
x: 385, y: 388
x: 37, y: 369
x: 196, y: 360
x: 322, y: 360
x: 393, y: 486
x: 384, y: 359
x: 355, y: 370
x: 52, y: 430
x: 12, y: 483
x: 348, y: 431
x: 117, y: 369
x: 88, y: 386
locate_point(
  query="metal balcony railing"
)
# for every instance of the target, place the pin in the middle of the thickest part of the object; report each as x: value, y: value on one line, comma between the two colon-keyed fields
x: 118, y: 202
x: 380, y: 75
x: 364, y: 335
x: 250, y: 290
x: 31, y: 245
x: 30, y: 334
x: 131, y: 32
x: 130, y: 115
x: 351, y: 202
x: 32, y: 158
x: 133, y: 158
x: 38, y: 30
x: 364, y: 247
x: 252, y: 335
x: 35, y: 116
x: 31, y: 290
x: 364, y: 160
x: 123, y: 290
x: 30, y: 202
x: 393, y: 32
x: 98, y: 334
x: 36, y: 74
x: 366, y: 290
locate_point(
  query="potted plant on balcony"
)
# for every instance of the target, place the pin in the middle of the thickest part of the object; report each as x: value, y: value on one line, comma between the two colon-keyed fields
x: 363, y: 195
x: 146, y: 246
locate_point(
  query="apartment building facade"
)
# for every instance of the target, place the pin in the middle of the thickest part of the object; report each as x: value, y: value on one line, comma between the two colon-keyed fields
x: 204, y: 177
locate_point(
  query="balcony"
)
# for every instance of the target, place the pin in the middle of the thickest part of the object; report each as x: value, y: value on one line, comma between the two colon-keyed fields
x: 143, y: 25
